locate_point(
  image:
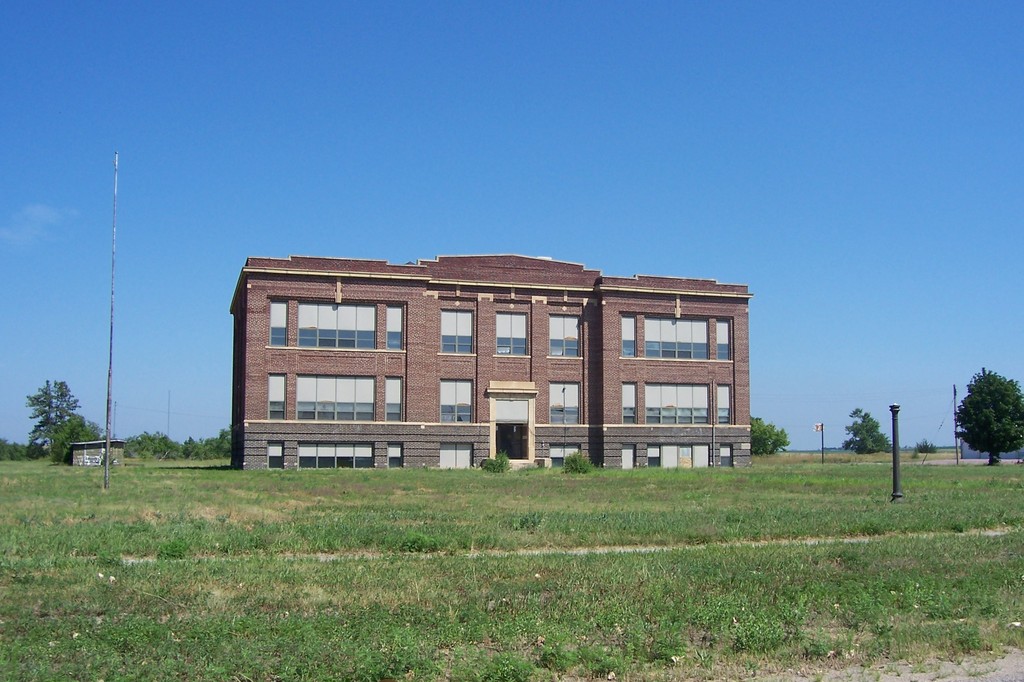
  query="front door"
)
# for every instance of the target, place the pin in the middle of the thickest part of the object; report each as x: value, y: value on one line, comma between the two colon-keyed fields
x: 511, y: 439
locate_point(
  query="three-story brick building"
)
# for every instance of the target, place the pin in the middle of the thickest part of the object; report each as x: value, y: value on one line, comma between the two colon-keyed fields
x: 362, y: 363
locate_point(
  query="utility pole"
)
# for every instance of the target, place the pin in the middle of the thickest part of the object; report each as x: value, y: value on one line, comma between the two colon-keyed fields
x: 956, y: 431
x: 110, y: 355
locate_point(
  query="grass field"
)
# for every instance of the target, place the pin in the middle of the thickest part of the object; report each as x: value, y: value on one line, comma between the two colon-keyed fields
x: 214, y: 574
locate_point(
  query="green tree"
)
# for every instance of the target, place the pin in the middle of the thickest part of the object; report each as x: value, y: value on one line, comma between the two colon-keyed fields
x: 766, y: 438
x: 991, y: 415
x: 76, y: 429
x: 155, y: 445
x: 52, y: 406
x: 217, y: 447
x: 865, y: 434
x: 12, y: 451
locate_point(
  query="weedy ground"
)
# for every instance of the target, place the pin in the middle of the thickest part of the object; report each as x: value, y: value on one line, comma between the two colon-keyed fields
x: 212, y: 574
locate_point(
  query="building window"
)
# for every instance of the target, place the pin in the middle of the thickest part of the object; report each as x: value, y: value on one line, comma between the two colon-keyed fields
x: 629, y: 403
x: 725, y: 455
x: 564, y: 400
x: 511, y: 330
x: 723, y: 351
x: 669, y: 338
x: 275, y: 397
x: 396, y: 459
x: 564, y: 336
x: 327, y: 398
x: 456, y: 401
x: 278, y: 323
x: 456, y: 455
x: 667, y: 456
x: 628, y: 456
x: 335, y: 456
x: 558, y: 453
x: 327, y: 325
x: 393, y: 399
x: 275, y: 455
x: 724, y: 411
x: 675, y: 456
x: 676, y: 404
x: 394, y: 328
x: 456, y: 331
x: 629, y: 337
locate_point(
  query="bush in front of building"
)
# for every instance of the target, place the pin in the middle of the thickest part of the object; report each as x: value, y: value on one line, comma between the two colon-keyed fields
x: 498, y: 464
x: 576, y: 463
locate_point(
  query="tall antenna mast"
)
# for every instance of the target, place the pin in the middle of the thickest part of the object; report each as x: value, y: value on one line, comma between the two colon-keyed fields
x: 956, y: 430
x: 110, y: 357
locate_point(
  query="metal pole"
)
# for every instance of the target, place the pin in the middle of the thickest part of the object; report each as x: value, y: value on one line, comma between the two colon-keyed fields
x: 110, y: 356
x: 897, y: 491
x: 713, y: 418
x: 565, y: 427
x: 956, y: 431
x: 823, y: 444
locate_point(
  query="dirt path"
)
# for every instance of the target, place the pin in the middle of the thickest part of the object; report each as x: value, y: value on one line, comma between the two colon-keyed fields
x: 1006, y: 668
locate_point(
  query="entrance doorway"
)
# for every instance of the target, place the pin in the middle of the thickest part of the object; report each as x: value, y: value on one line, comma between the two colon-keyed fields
x: 512, y: 407
x: 512, y: 440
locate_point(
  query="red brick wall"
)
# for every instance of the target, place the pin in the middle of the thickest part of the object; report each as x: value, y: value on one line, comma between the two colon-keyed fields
x: 535, y: 287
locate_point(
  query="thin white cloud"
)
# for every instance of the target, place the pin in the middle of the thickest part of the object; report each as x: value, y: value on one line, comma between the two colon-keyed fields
x: 33, y: 223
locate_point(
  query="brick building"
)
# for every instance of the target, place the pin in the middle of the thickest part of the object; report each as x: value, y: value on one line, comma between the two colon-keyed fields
x: 362, y: 363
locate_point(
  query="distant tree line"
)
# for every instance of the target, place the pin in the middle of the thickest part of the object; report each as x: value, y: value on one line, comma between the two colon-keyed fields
x: 57, y: 425
x: 160, y: 446
x: 990, y: 419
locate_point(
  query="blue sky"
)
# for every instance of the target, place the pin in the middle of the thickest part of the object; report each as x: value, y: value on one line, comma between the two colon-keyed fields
x: 859, y: 165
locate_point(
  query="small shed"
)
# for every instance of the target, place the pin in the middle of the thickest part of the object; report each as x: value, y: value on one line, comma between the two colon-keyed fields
x: 90, y: 453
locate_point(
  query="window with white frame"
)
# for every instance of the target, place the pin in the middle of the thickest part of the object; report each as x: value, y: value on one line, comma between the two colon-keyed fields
x: 558, y: 453
x: 329, y: 325
x: 671, y: 338
x: 700, y: 456
x: 335, y: 456
x: 511, y: 333
x: 564, y: 401
x: 278, y: 323
x: 396, y: 458
x: 456, y: 331
x: 676, y: 403
x: 629, y: 403
x: 723, y: 350
x: 275, y: 396
x: 724, y: 407
x: 628, y: 337
x: 663, y: 456
x: 328, y: 398
x: 456, y: 401
x: 393, y: 399
x: 456, y: 455
x: 275, y: 455
x: 564, y: 336
x: 394, y: 328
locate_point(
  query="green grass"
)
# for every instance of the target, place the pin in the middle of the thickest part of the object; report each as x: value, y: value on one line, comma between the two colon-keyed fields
x: 196, y: 573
